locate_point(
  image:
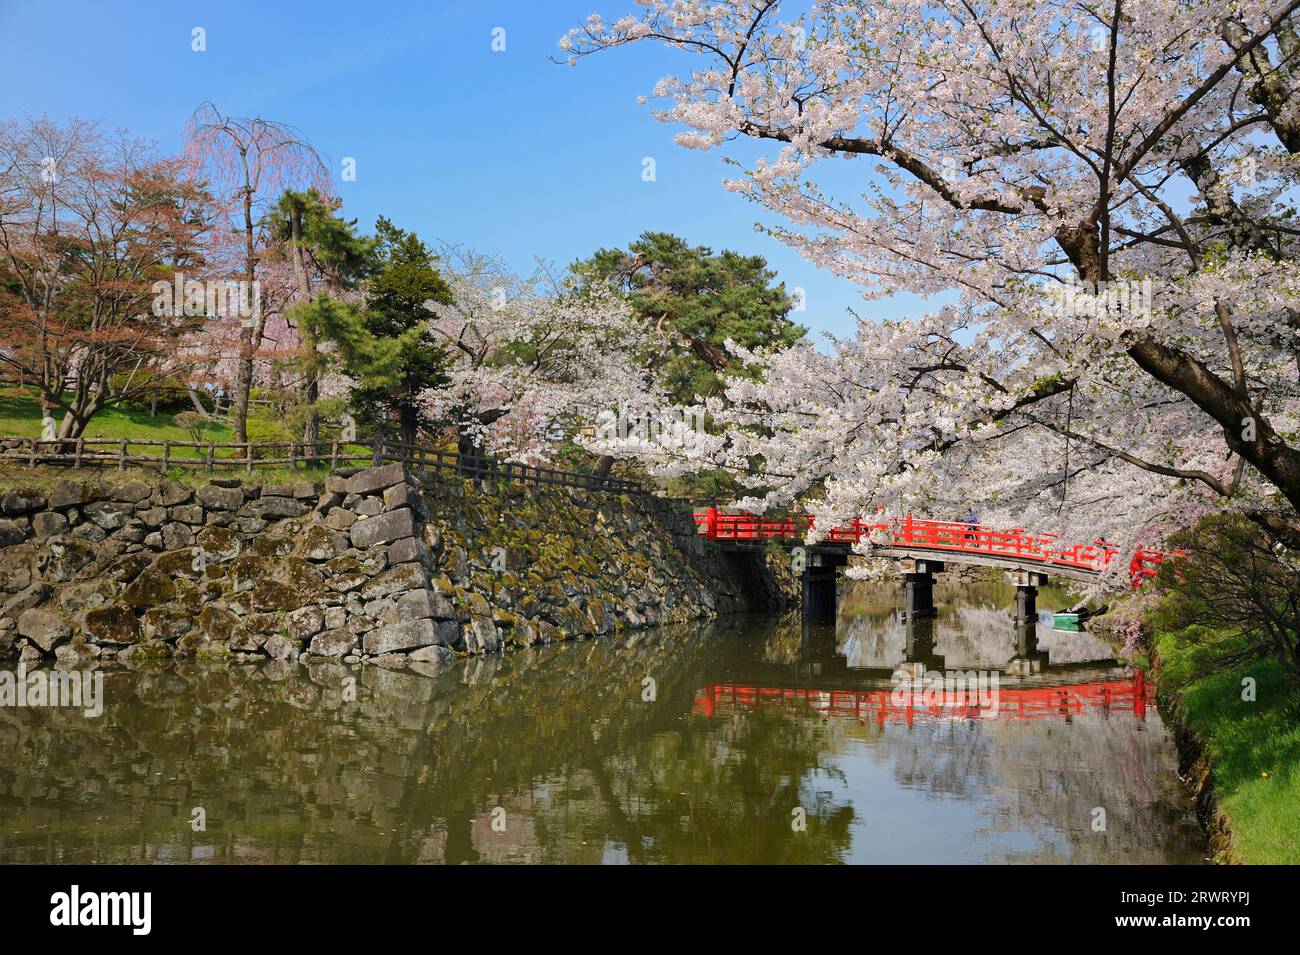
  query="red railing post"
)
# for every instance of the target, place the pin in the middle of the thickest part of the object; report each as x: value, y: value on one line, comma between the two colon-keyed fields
x: 711, y: 523
x: 1135, y: 568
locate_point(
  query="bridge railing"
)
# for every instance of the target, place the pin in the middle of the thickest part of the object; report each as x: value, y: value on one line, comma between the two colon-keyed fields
x: 942, y: 536
x: 1133, y: 694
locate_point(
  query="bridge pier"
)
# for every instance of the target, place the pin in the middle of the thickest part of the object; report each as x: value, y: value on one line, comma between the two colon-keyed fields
x: 820, y: 581
x: 918, y: 587
x: 918, y: 649
x: 1028, y: 659
x: 1026, y: 583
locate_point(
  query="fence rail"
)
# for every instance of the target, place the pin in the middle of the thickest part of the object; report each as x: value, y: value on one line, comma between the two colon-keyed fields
x: 123, y: 453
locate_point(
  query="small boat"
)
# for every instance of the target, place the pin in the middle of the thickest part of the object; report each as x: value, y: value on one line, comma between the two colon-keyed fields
x: 1070, y: 620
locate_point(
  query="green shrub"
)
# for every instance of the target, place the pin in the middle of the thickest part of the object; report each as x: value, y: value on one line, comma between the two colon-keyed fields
x: 171, y: 395
x: 263, y: 429
x: 1233, y: 597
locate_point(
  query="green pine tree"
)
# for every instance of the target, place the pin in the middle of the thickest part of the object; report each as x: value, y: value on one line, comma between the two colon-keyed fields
x: 696, y: 300
x: 396, y: 312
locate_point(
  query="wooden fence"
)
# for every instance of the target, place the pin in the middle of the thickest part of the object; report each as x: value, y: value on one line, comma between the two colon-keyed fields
x: 123, y: 453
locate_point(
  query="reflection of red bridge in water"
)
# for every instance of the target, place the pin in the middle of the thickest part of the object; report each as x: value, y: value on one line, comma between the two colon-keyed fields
x: 1133, y: 695
x: 951, y: 540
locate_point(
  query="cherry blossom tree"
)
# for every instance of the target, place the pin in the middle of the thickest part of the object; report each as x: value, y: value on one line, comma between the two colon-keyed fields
x: 1101, y: 192
x: 249, y: 162
x: 533, y: 361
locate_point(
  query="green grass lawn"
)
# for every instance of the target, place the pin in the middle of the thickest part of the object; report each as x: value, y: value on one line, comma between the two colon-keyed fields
x: 1254, y: 747
x: 20, y: 417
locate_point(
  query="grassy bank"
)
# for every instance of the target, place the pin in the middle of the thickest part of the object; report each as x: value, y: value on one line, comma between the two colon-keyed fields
x: 20, y: 417
x: 1253, y: 747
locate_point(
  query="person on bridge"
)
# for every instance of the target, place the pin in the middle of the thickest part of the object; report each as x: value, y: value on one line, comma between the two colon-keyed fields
x: 972, y: 534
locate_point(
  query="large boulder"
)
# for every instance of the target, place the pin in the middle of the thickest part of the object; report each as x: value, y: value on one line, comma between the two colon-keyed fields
x: 165, y: 623
x: 319, y: 543
x: 219, y: 623
x: 170, y: 494
x: 25, y: 599
x: 16, y: 567
x: 481, y: 636
x: 376, y: 479
x: 383, y: 528
x: 132, y: 491
x: 13, y: 532
x: 424, y: 604
x: 280, y: 647
x: 21, y: 501
x: 333, y: 643
x: 274, y: 508
x: 403, y: 635
x: 304, y: 622
x: 150, y: 589
x: 216, y: 498
x: 68, y: 494
x: 44, y: 628
x: 437, y: 655
x: 49, y: 524
x: 108, y: 515
x: 401, y: 578
x: 115, y: 625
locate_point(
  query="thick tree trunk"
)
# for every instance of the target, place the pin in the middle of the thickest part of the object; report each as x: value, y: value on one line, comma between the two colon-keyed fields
x: 471, y: 456
x: 249, y: 328
x: 408, y: 425
x: 311, y: 384
x: 243, y: 383
x: 72, y: 426
x: 604, y: 466
x: 1229, y: 407
x: 1267, y: 452
x: 198, y: 405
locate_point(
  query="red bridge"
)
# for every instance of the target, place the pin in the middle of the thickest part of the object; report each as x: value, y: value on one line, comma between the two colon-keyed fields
x: 955, y: 541
x: 1132, y: 695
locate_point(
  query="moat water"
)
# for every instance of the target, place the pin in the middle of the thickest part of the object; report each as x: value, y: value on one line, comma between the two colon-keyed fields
x: 746, y: 740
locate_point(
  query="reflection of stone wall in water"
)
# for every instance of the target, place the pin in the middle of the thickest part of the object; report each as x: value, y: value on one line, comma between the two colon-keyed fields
x: 293, y: 764
x: 289, y: 768
x: 370, y: 566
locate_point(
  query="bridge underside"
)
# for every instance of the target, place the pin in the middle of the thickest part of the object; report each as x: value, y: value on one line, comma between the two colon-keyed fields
x: 944, y: 555
x: 985, y: 560
x: 919, y: 565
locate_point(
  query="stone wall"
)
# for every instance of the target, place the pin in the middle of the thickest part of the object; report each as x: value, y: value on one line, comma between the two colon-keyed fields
x: 370, y: 566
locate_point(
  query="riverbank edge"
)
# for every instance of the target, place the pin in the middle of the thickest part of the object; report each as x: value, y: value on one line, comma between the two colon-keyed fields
x: 1195, y: 767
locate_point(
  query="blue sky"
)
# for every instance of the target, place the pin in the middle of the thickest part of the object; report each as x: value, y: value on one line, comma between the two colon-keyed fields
x: 504, y: 152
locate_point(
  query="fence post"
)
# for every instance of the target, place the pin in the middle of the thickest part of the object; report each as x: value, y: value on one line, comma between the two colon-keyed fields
x: 293, y: 455
x: 167, y: 454
x: 248, y: 453
x: 31, y: 462
x: 210, y: 455
x: 334, y: 454
x: 379, y: 451
x: 121, y: 457
x: 81, y: 443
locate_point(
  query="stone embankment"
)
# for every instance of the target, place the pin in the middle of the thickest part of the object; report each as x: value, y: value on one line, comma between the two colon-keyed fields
x: 371, y: 566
